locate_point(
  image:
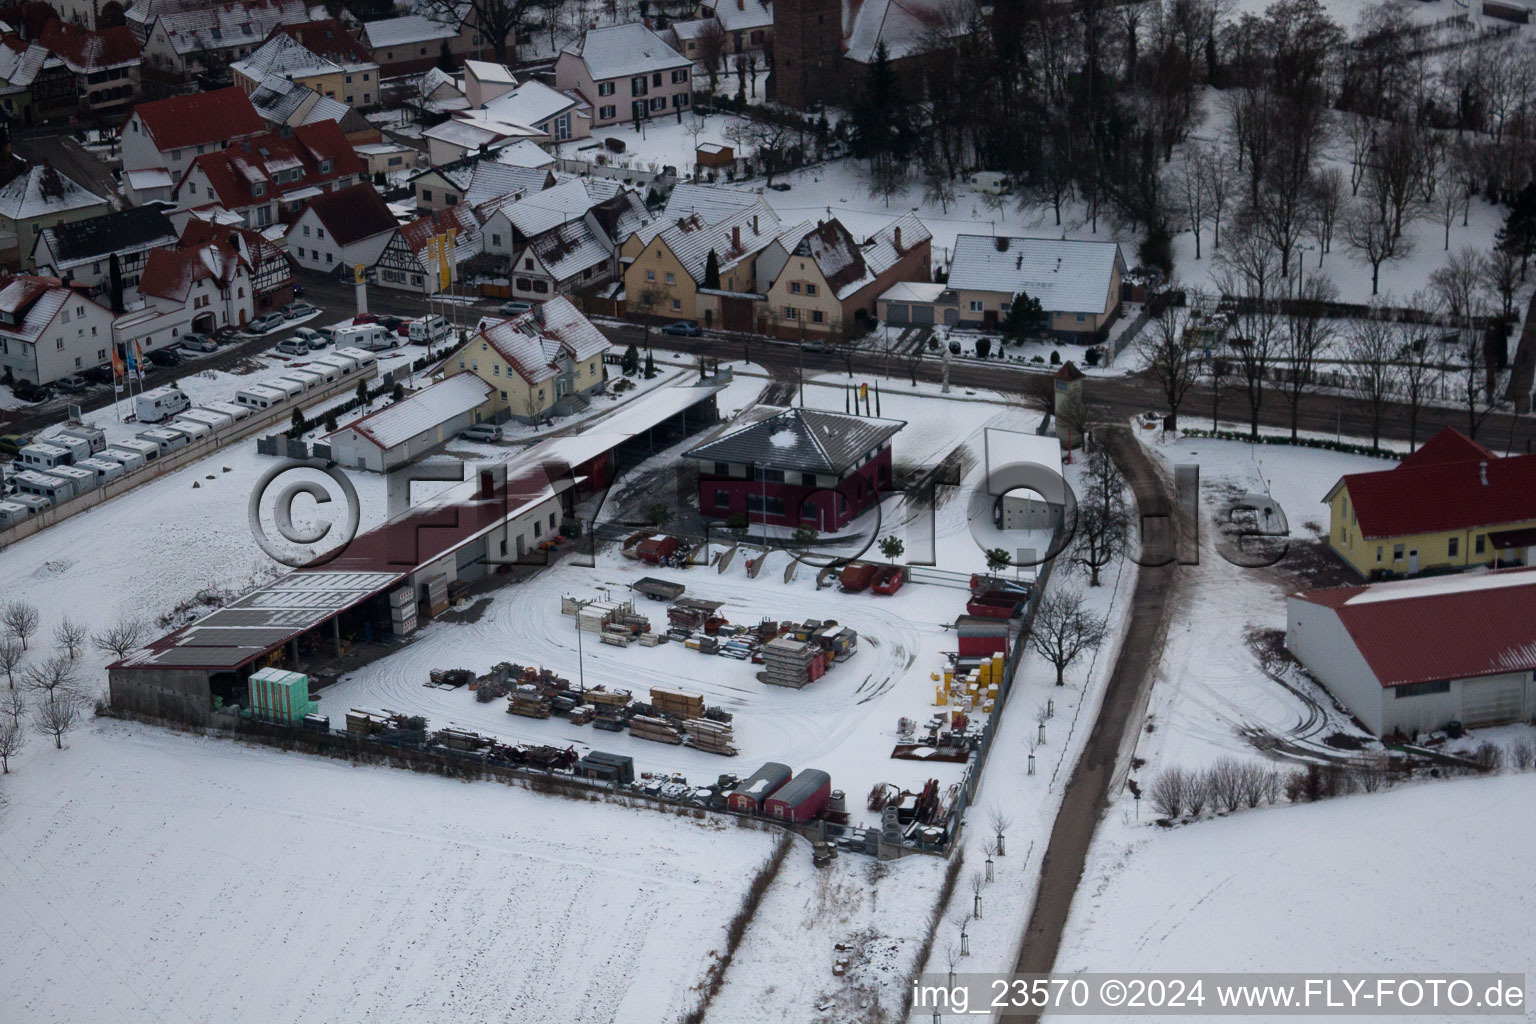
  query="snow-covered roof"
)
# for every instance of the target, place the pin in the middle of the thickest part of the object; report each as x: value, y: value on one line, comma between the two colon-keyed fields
x: 490, y: 71
x: 1066, y: 276
x: 537, y: 212
x: 913, y: 291
x: 412, y: 28
x: 739, y: 235
x: 623, y: 50
x: 284, y: 56
x: 806, y: 440
x: 473, y: 134
x: 492, y: 180
x: 740, y: 15
x: 533, y: 343
x: 147, y: 178
x: 21, y: 61
x: 570, y: 248
x: 904, y: 26
x: 196, y: 26
x: 44, y: 190
x: 95, y: 238
x: 29, y: 304
x: 426, y: 409
x: 531, y: 103
x: 524, y: 153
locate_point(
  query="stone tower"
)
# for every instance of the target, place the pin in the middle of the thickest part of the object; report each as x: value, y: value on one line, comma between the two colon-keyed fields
x: 807, y: 51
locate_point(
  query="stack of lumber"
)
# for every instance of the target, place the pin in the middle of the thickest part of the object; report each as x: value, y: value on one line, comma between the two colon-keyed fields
x: 676, y: 702
x: 652, y: 639
x: 787, y: 662
x: 608, y: 698
x: 615, y: 639
x: 582, y: 715
x: 528, y: 702
x: 658, y: 730
x: 712, y: 737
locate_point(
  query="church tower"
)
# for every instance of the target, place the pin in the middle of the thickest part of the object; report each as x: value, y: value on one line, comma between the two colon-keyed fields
x: 807, y: 51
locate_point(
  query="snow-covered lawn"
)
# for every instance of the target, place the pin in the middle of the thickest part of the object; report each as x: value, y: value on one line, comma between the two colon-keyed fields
x: 1424, y: 877
x: 149, y: 875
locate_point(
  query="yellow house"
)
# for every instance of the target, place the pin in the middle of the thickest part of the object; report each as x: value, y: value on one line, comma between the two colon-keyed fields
x: 667, y: 271
x: 538, y: 364
x: 38, y: 199
x: 1077, y: 282
x: 344, y: 72
x: 1451, y: 505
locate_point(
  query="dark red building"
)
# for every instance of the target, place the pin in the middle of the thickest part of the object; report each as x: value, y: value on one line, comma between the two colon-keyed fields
x: 801, y: 467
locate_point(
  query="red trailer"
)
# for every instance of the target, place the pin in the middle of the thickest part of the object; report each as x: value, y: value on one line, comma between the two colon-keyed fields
x: 856, y: 576
x: 653, y: 549
x: 996, y: 604
x: 801, y: 798
x: 981, y: 636
x: 888, y: 579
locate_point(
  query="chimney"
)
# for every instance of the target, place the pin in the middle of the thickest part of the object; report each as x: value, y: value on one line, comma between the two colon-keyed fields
x: 741, y: 5
x: 736, y: 237
x: 898, y: 239
x: 1482, y: 473
x: 754, y: 223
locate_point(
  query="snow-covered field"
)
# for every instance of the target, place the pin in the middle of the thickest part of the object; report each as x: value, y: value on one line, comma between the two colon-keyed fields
x: 1425, y: 877
x: 150, y: 875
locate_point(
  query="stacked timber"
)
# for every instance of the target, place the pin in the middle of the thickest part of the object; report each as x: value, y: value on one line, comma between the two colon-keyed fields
x: 582, y: 715
x: 607, y: 698
x: 676, y: 702
x: 652, y: 639
x: 528, y: 702
x: 711, y: 736
x: 658, y: 730
x: 787, y: 662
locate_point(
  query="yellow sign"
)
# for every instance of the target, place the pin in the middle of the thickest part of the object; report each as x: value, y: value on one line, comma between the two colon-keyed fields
x: 863, y: 392
x: 357, y: 273
x: 444, y: 264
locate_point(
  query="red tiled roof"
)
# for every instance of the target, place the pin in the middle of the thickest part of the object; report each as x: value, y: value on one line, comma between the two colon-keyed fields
x: 350, y: 214
x: 201, y: 118
x: 170, y: 273
x: 1442, y: 627
x: 84, y: 50
x: 232, y: 171
x: 1450, y: 445
x: 328, y: 38
x: 1434, y: 494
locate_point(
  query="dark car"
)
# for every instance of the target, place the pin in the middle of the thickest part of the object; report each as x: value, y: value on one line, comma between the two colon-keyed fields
x: 683, y: 329
x: 27, y: 391
x: 165, y: 357
x: 98, y: 374
x: 392, y: 322
x: 72, y: 383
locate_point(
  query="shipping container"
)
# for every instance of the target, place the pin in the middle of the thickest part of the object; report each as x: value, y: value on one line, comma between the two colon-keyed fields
x: 801, y: 798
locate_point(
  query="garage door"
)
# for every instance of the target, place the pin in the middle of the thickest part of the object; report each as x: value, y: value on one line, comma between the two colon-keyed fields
x: 1491, y: 701
x: 922, y: 314
x: 895, y: 313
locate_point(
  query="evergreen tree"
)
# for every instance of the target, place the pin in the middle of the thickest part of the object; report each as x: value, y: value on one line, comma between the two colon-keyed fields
x: 650, y: 365
x: 297, y: 429
x: 712, y: 270
x: 1025, y: 317
x: 631, y: 360
x: 1518, y: 233
x: 445, y: 59
x: 115, y: 267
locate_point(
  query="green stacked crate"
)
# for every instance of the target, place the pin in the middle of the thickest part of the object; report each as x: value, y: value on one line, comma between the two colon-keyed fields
x: 280, y: 696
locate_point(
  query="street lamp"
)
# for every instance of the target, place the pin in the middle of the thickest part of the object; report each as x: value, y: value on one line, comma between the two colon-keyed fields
x: 581, y: 669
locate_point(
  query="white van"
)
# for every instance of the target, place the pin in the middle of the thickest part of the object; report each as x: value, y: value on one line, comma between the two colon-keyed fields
x: 97, y: 439
x: 191, y: 429
x: 259, y: 396
x: 106, y: 470
x: 126, y: 457
x: 992, y: 183
x: 43, y: 455
x: 214, y: 421
x: 369, y: 337
x: 166, y: 439
x: 429, y: 328
x: 149, y: 451
x: 160, y: 403
x: 52, y: 489
x: 236, y: 413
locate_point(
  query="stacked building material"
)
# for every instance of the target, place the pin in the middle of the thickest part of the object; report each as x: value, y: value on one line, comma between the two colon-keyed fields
x: 615, y: 637
x: 366, y: 723
x: 608, y: 698
x: 659, y: 730
x: 279, y: 696
x: 693, y: 614
x: 583, y: 714
x: 593, y: 617
x: 652, y: 639
x: 788, y: 662
x: 529, y: 702
x: 402, y: 611
x: 710, y: 736
x: 437, y: 594
x: 676, y: 702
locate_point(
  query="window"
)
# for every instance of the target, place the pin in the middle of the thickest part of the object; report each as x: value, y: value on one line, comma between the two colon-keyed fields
x: 680, y: 100
x: 817, y: 316
x: 1480, y: 545
x: 319, y: 232
x: 495, y: 239
x: 1082, y: 318
x: 528, y: 265
x: 523, y: 284
x: 790, y: 313
x: 1421, y: 689
x: 306, y: 230
x: 650, y: 275
x: 349, y: 79
x: 775, y: 506
x: 637, y: 86
x: 722, y: 469
x: 810, y: 289
x: 679, y: 76
x: 451, y: 198
x: 540, y: 287
x: 192, y: 188
x: 503, y: 394
x: 1397, y: 552
x: 551, y: 520
x: 722, y: 499
x: 658, y: 103
x: 495, y: 369
x: 1378, y: 552
x: 1453, y: 546
x: 538, y: 529
x: 426, y: 195
x: 329, y: 258
x: 605, y: 88
x: 607, y: 113
x: 975, y: 305
x: 677, y: 305
x: 794, y: 287
x: 656, y: 79
x: 671, y: 278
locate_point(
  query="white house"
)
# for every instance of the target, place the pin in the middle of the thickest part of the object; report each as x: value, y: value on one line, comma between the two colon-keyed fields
x: 191, y: 288
x: 161, y: 139
x: 342, y: 228
x: 625, y: 73
x: 454, y: 139
x: 485, y: 80
x: 81, y: 251
x: 1413, y: 655
x: 411, y: 427
x: 49, y: 330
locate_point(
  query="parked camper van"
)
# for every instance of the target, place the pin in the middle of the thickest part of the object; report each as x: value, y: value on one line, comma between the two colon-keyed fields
x: 52, y: 489
x: 80, y: 480
x: 364, y: 361
x: 192, y: 430
x: 307, y: 378
x: 106, y: 470
x: 43, y: 455
x: 167, y: 439
x: 235, y: 412
x: 149, y: 451
x: 214, y: 421
x: 97, y: 439
x: 259, y: 396
x: 429, y: 329
x: 31, y: 502
x: 126, y: 457
x: 368, y: 337
x: 291, y: 388
x: 992, y: 183
x: 12, y: 512
x: 160, y: 403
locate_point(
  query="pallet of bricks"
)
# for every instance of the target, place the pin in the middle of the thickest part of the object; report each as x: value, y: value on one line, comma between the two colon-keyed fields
x: 788, y: 662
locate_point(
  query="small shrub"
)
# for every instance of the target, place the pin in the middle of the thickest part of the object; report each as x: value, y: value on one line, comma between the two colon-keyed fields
x: 1522, y: 755
x: 1167, y: 792
x: 1488, y: 757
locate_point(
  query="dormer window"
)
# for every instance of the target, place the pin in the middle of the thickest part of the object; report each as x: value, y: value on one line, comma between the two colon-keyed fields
x: 258, y: 188
x: 325, y: 167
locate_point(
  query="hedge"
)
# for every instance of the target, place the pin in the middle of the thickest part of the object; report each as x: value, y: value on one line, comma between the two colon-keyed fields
x: 1346, y: 447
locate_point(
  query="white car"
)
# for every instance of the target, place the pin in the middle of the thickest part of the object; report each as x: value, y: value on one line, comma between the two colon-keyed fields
x: 483, y: 432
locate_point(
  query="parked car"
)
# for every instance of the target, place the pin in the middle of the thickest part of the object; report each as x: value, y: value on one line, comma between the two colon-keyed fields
x: 98, y: 374
x: 683, y: 329
x: 326, y: 334
x: 199, y: 343
x: 364, y: 318
x: 72, y: 382
x: 165, y: 357
x: 27, y: 391
x: 293, y: 346
x: 226, y: 335
x: 294, y: 310
x: 515, y: 307
x: 311, y: 338
x: 482, y: 432
x: 392, y: 322
x: 11, y: 444
x: 404, y: 330
x: 263, y: 324
x: 813, y: 346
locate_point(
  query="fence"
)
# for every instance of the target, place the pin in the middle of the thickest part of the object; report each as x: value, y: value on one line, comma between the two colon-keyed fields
x: 638, y: 177
x: 169, y: 463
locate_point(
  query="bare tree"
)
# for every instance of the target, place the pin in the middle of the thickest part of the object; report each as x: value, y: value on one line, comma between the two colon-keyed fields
x: 1000, y: 823
x: 12, y: 705
x: 20, y: 620
x: 1218, y: 186
x: 1195, y: 191
x: 1417, y: 374
x: 938, y: 185
x: 1446, y: 201
x: 1327, y: 206
x: 773, y: 143
x: 11, y: 655
x: 498, y: 20
x: 55, y: 715
x: 712, y: 46
x: 978, y: 883
x: 1224, y: 781
x: 123, y: 636
x: 51, y: 678
x: 1249, y: 272
x: 1501, y: 276
x: 1062, y: 629
x: 12, y: 738
x: 1372, y: 367
x: 1370, y: 236
x: 1307, y: 334
x: 1101, y: 522
x: 1197, y: 791
x: 1167, y: 792
x: 1172, y: 362
x: 70, y: 636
